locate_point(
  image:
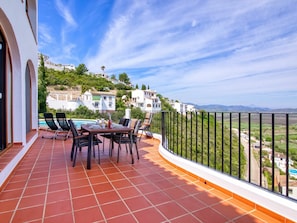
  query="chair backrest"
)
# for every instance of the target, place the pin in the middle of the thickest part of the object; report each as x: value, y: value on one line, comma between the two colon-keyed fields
x: 49, y: 119
x: 132, y: 123
x: 148, y: 118
x: 137, y: 126
x: 124, y: 121
x: 73, y: 128
x: 61, y: 118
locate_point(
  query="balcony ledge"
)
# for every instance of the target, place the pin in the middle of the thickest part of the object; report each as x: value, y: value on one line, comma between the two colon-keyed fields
x: 258, y: 197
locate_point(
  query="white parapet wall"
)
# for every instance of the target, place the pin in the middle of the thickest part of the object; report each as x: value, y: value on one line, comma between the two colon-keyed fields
x: 273, y: 202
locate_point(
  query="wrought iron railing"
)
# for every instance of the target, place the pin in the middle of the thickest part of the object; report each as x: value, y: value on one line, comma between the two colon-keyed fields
x: 241, y: 145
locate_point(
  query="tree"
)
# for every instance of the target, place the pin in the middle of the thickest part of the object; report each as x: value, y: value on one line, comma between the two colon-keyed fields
x: 136, y: 86
x: 124, y: 78
x: 42, y: 92
x: 81, y: 69
x: 143, y: 87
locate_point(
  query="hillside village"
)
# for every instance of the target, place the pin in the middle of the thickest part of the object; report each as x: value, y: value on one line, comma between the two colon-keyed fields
x: 104, y: 101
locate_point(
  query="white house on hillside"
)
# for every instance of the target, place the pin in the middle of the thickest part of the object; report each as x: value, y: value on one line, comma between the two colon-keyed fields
x: 182, y: 108
x: 99, y: 101
x: 18, y: 78
x: 93, y: 100
x: 146, y: 100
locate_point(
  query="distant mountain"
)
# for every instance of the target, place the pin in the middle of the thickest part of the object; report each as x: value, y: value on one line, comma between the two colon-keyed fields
x: 241, y: 108
x: 285, y: 110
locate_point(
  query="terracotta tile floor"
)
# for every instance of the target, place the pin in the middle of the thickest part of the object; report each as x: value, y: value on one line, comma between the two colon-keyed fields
x: 46, y: 188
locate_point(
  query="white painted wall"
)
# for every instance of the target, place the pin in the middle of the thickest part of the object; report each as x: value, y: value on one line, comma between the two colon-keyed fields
x: 22, y: 45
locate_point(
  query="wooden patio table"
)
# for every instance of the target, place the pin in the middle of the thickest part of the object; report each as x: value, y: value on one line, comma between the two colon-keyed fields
x: 94, y: 129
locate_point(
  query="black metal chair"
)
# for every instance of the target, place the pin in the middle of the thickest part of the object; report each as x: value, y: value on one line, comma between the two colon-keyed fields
x: 63, y: 123
x: 81, y: 140
x: 124, y: 122
x: 125, y: 138
x: 52, y: 126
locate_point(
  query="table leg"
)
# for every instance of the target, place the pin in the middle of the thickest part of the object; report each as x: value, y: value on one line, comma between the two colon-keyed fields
x: 89, y: 151
x: 131, y: 146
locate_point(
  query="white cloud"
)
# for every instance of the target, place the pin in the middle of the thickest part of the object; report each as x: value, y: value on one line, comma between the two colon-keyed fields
x: 45, y: 36
x: 199, y: 51
x: 65, y: 12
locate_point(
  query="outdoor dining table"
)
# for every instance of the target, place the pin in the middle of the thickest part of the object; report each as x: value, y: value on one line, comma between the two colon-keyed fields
x: 94, y: 129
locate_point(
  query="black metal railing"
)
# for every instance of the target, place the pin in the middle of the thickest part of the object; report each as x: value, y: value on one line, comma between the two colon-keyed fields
x: 259, y: 148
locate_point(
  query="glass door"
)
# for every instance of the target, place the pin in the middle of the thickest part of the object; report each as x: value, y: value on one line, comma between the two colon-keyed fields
x: 2, y: 95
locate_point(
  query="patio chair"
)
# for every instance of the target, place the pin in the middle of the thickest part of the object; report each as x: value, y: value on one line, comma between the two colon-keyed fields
x: 81, y: 140
x: 128, y: 123
x: 125, y: 139
x: 63, y: 123
x: 52, y: 126
x: 145, y: 127
x: 123, y: 121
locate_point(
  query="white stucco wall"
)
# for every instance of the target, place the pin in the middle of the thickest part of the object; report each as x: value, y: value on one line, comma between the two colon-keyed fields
x: 22, y: 50
x: 16, y: 28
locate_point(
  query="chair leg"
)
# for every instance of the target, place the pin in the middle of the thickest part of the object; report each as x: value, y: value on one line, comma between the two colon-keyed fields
x: 119, y: 147
x: 74, y: 157
x: 94, y: 151
x: 126, y: 148
x: 98, y: 154
x: 67, y: 135
x: 142, y: 133
x: 136, y: 150
x: 110, y: 149
x: 72, y: 151
x: 103, y: 142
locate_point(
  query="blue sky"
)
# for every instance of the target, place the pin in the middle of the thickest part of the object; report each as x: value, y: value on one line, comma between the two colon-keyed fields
x: 226, y: 52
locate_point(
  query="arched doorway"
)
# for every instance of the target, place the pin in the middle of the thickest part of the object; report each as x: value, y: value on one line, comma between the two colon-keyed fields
x: 28, y: 99
x: 2, y: 94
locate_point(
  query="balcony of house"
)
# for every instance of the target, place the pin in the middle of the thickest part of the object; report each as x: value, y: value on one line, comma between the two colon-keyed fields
x: 180, y: 176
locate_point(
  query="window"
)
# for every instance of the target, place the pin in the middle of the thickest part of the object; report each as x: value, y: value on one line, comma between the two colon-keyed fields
x: 31, y: 14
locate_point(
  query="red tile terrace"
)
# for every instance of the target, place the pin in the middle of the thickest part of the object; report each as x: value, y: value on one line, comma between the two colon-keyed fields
x: 44, y: 187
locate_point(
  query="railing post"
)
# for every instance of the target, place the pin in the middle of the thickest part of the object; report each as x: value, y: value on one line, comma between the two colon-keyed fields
x: 230, y: 141
x: 202, y: 136
x: 273, y: 150
x: 208, y: 140
x: 215, y: 140
x: 163, y: 130
x: 177, y: 133
x: 287, y: 155
x: 222, y: 142
x: 186, y: 140
x: 191, y: 116
x: 239, y: 145
x: 249, y: 155
x: 197, y: 115
x: 260, y: 141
